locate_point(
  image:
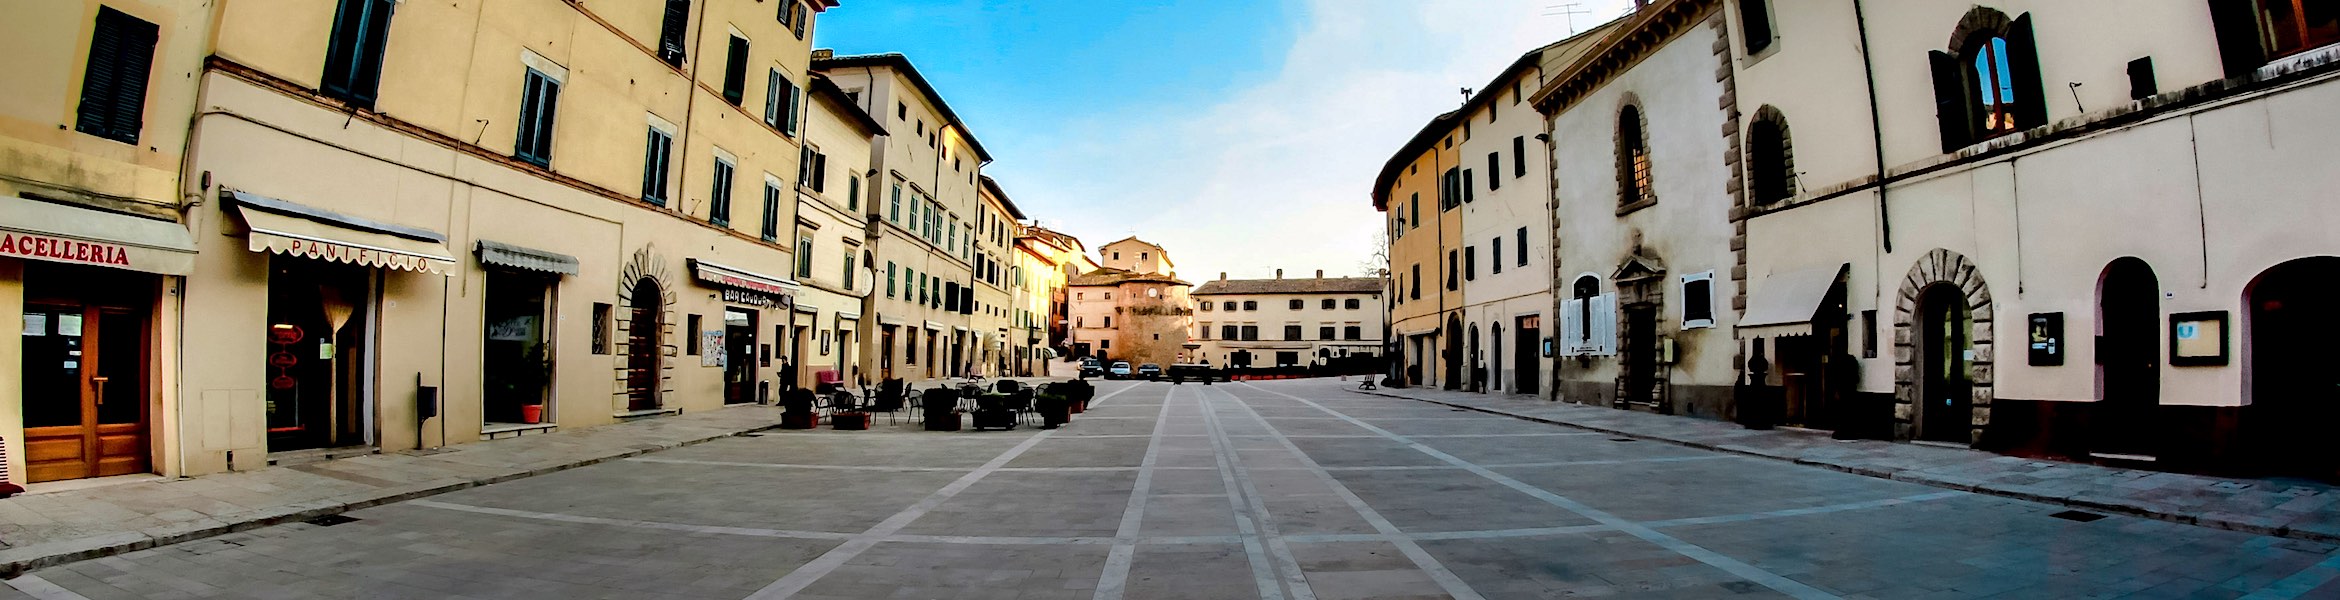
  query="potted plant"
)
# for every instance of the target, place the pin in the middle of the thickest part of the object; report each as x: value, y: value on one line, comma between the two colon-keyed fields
x: 524, y: 379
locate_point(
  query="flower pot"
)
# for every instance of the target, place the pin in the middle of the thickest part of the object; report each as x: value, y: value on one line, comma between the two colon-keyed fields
x: 531, y: 413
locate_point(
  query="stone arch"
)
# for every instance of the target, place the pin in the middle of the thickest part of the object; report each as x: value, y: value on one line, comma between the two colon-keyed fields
x: 1771, y: 158
x: 1632, y: 134
x: 1978, y: 20
x: 1941, y: 267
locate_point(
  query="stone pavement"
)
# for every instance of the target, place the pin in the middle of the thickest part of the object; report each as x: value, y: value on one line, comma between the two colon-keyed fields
x: 1293, y: 490
x: 2281, y: 507
x: 40, y: 530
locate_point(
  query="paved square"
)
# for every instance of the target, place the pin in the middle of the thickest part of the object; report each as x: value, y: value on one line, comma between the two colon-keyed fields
x: 1287, y: 490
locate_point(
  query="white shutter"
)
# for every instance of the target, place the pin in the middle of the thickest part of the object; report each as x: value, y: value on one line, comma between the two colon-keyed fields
x: 1571, y: 328
x: 1605, y: 313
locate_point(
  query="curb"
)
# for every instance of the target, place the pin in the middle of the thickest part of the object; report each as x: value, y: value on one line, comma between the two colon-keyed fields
x: 2075, y: 500
x: 19, y: 561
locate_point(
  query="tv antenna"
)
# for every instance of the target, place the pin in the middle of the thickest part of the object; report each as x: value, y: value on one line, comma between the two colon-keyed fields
x: 1568, y: 10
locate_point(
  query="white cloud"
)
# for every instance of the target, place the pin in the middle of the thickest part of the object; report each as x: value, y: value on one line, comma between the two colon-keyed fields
x: 1278, y: 175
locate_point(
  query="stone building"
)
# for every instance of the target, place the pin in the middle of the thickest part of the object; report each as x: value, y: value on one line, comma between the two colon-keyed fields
x: 1315, y: 322
x: 994, y: 318
x: 1043, y: 260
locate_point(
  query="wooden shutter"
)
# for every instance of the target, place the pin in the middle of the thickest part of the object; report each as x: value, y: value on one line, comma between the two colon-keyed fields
x: 820, y: 172
x: 2239, y: 47
x: 2023, y: 66
x: 1571, y: 328
x: 1604, y: 314
x: 113, y: 86
x: 1951, y: 107
x: 353, y: 60
x: 735, y: 72
x: 670, y: 31
x: 772, y: 98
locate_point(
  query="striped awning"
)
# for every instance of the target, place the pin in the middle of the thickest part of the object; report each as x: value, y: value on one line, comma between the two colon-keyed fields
x: 294, y: 230
x: 523, y: 257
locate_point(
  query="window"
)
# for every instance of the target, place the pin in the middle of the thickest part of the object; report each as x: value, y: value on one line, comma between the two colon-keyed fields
x: 1325, y: 332
x: 771, y: 231
x: 1698, y: 300
x: 1755, y: 25
x: 849, y: 258
x: 1523, y: 246
x: 1250, y: 305
x: 1153, y: 293
x: 671, y: 30
x: 1453, y: 262
x: 1296, y: 304
x: 719, y: 197
x: 779, y: 102
x: 658, y: 152
x: 1230, y: 332
x: 1104, y: 344
x: 353, y: 61
x: 1518, y: 157
x: 1469, y: 193
x: 1495, y: 256
x: 787, y: 13
x: 1292, y: 333
x: 1353, y: 333
x: 1770, y: 170
x: 1415, y: 291
x: 1450, y: 189
x: 1229, y: 305
x: 735, y: 71
x: 812, y: 169
x: 889, y: 279
x: 1587, y: 290
x: 1108, y: 321
x: 1350, y: 304
x: 601, y: 326
x: 1203, y: 332
x: 2253, y: 32
x: 1633, y: 168
x: 894, y: 206
x: 852, y: 190
x: 1494, y: 171
x: 804, y: 257
x: 1205, y: 306
x: 798, y: 8
x: 1328, y: 304
x: 1470, y: 263
x: 539, y: 95
x: 901, y: 111
x: 1991, y: 86
x: 1868, y: 334
x: 1414, y: 211
x: 1251, y: 333
x: 691, y: 337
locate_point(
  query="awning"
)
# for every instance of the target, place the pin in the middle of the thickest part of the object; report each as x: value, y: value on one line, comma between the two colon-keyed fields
x: 846, y: 316
x: 807, y: 308
x: 292, y: 229
x: 37, y: 230
x: 934, y: 326
x: 894, y: 321
x: 741, y: 286
x: 522, y: 257
x: 1791, y: 298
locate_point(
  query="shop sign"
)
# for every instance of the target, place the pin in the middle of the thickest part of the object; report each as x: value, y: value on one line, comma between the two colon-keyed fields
x: 2047, y: 339
x: 362, y: 256
x: 63, y: 250
x: 747, y: 298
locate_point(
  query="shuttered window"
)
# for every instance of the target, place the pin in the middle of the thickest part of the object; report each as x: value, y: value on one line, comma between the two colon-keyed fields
x: 735, y: 71
x: 1494, y: 171
x: 719, y: 198
x: 771, y: 211
x: 539, y: 96
x: 670, y: 31
x: 113, y: 87
x: 659, y: 151
x: 353, y: 60
x: 1518, y: 156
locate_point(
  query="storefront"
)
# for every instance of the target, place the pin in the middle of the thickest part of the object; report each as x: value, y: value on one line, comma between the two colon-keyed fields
x: 92, y: 369
x: 517, y: 362
x: 748, y: 300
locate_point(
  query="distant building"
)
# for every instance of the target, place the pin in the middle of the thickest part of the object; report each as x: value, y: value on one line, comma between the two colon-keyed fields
x: 1133, y: 308
x: 1247, y: 323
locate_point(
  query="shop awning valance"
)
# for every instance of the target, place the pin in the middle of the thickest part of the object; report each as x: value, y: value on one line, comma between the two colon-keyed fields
x: 523, y: 257
x: 934, y: 326
x: 807, y: 308
x: 1791, y: 298
x: 846, y: 316
x: 741, y: 279
x: 291, y: 229
x: 36, y: 230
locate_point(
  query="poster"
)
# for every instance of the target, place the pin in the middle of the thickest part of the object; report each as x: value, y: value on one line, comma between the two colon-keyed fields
x: 711, y: 348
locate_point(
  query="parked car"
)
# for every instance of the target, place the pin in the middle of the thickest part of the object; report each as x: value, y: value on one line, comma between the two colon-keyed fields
x: 1149, y: 372
x: 1120, y: 370
x: 1183, y: 373
x: 1091, y: 368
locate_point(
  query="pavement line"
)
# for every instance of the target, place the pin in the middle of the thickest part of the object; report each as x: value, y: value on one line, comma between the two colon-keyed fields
x: 805, y: 575
x: 1564, y: 463
x: 725, y: 463
x: 1446, y: 579
x: 1798, y: 512
x: 41, y: 589
x: 1440, y: 435
x: 634, y: 523
x: 2294, y: 586
x: 1251, y: 517
x: 1701, y: 554
x: 1115, y: 580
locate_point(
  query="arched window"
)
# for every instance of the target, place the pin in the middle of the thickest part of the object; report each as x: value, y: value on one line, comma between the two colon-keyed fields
x: 1633, y: 168
x: 1988, y: 84
x: 1586, y: 289
x: 1771, y: 170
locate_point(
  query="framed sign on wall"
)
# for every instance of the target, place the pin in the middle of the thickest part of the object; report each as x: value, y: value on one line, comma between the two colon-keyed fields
x: 2197, y: 339
x: 2047, y: 339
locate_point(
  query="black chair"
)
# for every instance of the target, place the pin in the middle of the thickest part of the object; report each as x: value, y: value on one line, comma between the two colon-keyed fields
x: 889, y: 398
x: 1020, y: 401
x: 938, y: 409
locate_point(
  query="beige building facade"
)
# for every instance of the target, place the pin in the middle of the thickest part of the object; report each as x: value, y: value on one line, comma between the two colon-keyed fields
x: 1132, y: 307
x: 833, y: 251
x: 1323, y: 323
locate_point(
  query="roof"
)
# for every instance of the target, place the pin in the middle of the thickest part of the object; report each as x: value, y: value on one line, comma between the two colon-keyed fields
x: 1626, y: 40
x: 824, y: 88
x: 1441, y: 125
x: 1336, y: 285
x: 1111, y: 276
x: 992, y: 186
x: 1052, y: 237
x: 901, y: 63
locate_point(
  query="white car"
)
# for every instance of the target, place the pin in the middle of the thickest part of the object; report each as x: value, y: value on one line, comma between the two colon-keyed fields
x: 1120, y: 370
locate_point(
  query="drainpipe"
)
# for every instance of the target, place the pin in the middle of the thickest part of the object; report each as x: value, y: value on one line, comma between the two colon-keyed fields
x: 1876, y: 127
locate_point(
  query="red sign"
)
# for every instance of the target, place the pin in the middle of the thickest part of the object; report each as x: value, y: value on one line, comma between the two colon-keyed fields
x: 283, y: 359
x: 283, y: 382
x: 285, y: 334
x: 63, y: 250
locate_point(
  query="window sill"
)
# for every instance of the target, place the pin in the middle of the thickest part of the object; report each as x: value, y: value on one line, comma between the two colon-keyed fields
x: 653, y: 412
x: 1638, y: 205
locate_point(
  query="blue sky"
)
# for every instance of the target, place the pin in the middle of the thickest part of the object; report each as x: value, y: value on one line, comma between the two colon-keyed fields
x: 1242, y: 136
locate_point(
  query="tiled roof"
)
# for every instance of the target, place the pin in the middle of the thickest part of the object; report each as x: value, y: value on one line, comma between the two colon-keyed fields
x: 1336, y: 285
x: 1109, y: 276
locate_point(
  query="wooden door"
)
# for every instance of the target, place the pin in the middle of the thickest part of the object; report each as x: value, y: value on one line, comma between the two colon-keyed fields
x: 85, y: 401
x: 642, y: 347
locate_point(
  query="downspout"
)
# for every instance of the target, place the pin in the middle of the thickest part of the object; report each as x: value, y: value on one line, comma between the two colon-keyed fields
x: 1876, y: 127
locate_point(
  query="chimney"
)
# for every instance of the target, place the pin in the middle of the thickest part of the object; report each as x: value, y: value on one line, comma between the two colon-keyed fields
x: 1222, y: 276
x: 1279, y: 273
x: 1320, y: 273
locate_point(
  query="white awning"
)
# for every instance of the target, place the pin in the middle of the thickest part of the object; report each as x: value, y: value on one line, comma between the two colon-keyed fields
x: 846, y: 316
x: 296, y: 230
x: 934, y: 326
x: 36, y: 230
x: 523, y: 257
x: 1791, y: 298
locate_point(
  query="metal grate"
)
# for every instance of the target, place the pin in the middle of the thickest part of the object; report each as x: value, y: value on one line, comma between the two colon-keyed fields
x: 1621, y: 439
x: 331, y: 520
x: 2074, y: 515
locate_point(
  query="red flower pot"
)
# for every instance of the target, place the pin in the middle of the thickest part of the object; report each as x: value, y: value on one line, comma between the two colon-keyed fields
x: 532, y: 413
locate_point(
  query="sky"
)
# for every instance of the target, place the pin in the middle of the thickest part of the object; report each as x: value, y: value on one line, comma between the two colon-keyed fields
x: 1243, y: 137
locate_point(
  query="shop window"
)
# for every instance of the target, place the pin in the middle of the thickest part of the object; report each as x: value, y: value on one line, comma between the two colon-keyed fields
x: 671, y: 30
x: 353, y: 59
x: 516, y: 362
x: 719, y: 196
x: 539, y: 97
x: 658, y: 153
x: 735, y: 71
x: 691, y: 336
x: 1635, y: 182
x: 2253, y: 32
x: 1989, y: 84
x: 602, y: 313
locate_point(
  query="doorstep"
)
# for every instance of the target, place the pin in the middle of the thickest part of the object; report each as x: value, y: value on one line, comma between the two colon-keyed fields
x: 68, y: 485
x: 630, y: 415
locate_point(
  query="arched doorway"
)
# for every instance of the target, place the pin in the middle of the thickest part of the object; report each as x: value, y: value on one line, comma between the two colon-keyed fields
x: 2128, y: 365
x: 1453, y: 335
x: 2293, y: 388
x: 1495, y: 356
x: 1945, y: 391
x: 1478, y: 373
x: 647, y: 305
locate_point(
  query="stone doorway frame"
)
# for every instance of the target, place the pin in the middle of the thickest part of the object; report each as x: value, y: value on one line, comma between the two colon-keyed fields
x: 1940, y: 266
